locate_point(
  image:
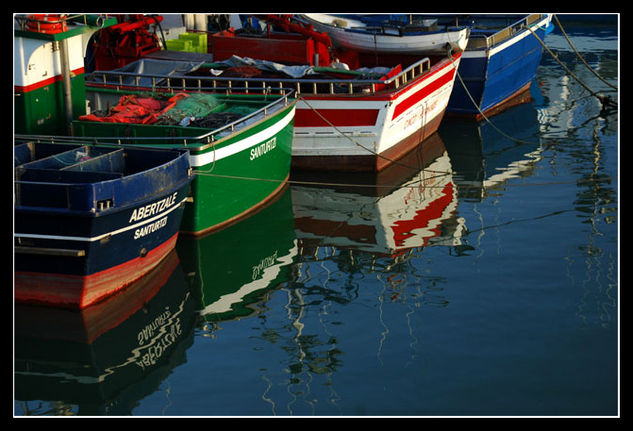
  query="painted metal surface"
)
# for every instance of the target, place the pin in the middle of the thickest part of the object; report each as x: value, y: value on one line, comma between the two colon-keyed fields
x: 495, y: 71
x: 84, y: 230
x: 237, y: 167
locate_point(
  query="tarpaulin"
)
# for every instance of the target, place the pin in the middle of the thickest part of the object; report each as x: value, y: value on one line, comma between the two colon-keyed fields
x: 136, y: 110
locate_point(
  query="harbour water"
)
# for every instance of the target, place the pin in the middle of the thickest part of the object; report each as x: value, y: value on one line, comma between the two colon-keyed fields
x: 480, y: 277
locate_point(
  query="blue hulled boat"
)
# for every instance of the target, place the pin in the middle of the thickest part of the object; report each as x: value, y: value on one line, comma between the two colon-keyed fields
x: 90, y: 220
x: 499, y: 62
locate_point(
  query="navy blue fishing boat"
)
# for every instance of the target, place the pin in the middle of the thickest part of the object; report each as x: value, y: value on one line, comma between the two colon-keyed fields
x: 90, y: 220
x: 499, y: 62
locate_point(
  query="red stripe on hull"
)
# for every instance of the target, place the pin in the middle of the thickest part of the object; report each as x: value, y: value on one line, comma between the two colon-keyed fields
x: 44, y: 83
x: 409, y: 143
x: 72, y: 291
x: 520, y: 97
x: 337, y: 117
x: 422, y: 93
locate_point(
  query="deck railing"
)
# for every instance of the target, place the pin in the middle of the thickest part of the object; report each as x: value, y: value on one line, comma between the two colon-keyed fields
x: 172, y: 83
x: 478, y: 40
x: 207, y: 138
x: 38, y: 24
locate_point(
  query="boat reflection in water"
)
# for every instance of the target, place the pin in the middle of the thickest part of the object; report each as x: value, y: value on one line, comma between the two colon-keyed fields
x: 483, y: 159
x: 412, y: 204
x: 103, y: 359
x: 354, y: 243
x: 233, y: 270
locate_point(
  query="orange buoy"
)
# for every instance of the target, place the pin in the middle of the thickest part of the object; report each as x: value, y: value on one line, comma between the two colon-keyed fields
x: 46, y: 23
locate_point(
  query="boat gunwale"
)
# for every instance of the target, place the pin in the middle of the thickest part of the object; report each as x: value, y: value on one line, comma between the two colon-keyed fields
x: 91, y: 23
x: 369, y: 31
x: 179, y: 157
x: 286, y: 99
x: 376, y: 30
x: 481, y: 42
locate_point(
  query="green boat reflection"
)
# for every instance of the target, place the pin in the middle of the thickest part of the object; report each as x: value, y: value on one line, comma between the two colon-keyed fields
x: 233, y: 270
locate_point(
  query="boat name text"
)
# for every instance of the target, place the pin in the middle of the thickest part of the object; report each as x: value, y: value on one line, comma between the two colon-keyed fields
x: 262, y: 149
x: 153, y: 208
x: 265, y: 263
x: 158, y: 336
x: 150, y: 228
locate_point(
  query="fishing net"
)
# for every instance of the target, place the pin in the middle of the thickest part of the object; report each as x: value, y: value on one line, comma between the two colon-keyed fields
x: 193, y: 110
x: 196, y: 105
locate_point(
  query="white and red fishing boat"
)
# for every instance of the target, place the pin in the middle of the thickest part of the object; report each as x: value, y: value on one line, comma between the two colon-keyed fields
x: 370, y: 128
x: 367, y: 109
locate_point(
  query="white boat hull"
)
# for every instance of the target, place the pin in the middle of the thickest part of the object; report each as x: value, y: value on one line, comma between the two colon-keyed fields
x: 352, y: 37
x: 368, y: 132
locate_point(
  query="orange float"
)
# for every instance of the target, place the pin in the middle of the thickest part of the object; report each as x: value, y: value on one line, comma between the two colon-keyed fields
x: 46, y: 23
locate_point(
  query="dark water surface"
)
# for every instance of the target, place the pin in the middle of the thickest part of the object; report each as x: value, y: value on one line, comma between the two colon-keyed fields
x: 485, y: 282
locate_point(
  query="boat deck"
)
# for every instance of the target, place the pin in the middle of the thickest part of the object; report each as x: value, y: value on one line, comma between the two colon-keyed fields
x: 71, y: 176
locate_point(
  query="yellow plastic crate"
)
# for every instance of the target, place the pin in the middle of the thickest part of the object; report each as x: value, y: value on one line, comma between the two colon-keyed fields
x: 198, y: 41
x: 179, y: 45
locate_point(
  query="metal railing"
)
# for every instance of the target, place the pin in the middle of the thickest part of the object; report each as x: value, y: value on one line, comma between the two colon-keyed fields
x: 95, y: 20
x: 207, y: 138
x: 172, y: 83
x: 486, y: 41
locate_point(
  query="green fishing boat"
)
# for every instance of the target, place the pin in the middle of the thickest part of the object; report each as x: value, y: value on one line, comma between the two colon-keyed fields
x: 239, y: 144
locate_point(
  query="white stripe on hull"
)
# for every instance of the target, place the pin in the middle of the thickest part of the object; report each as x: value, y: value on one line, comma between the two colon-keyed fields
x: 203, y: 159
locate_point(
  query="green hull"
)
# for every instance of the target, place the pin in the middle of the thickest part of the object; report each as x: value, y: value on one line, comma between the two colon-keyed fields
x: 233, y: 270
x: 41, y: 111
x: 226, y: 189
x: 234, y: 175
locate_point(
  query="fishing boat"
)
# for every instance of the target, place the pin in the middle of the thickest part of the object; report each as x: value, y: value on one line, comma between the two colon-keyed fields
x: 499, y: 62
x: 369, y: 34
x: 358, y: 121
x: 90, y: 220
x: 360, y: 112
x: 239, y: 144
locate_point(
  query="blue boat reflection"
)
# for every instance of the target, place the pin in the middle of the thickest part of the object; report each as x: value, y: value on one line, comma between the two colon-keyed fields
x: 483, y: 156
x: 103, y: 359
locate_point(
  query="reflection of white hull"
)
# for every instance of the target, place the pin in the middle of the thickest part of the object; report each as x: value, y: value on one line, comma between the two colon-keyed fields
x: 409, y: 217
x: 264, y: 280
x: 354, y: 37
